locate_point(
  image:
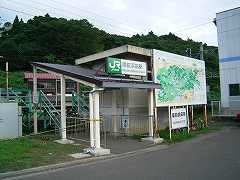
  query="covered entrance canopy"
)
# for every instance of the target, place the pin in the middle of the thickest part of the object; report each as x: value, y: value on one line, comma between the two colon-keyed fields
x: 99, y: 81
x: 94, y: 78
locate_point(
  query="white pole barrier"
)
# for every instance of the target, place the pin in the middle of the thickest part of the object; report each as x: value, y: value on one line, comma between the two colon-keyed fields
x: 63, y: 109
x: 151, y: 111
x: 97, y: 119
x: 92, y: 144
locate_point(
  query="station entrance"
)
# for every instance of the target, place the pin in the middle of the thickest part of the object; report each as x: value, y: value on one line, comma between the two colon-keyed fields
x: 111, y: 111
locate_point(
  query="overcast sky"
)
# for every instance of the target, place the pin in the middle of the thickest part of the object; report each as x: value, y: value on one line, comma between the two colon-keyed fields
x: 186, y: 18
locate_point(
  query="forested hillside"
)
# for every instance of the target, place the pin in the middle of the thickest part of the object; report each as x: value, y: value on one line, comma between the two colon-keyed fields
x: 58, y: 40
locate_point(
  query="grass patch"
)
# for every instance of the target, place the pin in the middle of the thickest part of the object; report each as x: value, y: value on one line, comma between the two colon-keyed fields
x: 28, y: 152
x: 178, y: 136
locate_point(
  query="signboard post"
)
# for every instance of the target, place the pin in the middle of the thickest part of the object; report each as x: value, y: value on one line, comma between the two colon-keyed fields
x: 178, y: 118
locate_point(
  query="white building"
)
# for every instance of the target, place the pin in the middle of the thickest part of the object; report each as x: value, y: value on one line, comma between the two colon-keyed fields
x: 228, y: 29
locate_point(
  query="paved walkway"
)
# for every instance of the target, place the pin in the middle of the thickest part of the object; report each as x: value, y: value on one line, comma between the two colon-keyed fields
x: 117, y: 144
x: 213, y: 156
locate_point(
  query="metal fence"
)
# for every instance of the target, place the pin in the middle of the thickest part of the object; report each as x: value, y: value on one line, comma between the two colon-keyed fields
x: 215, y: 108
x: 112, y: 126
x: 78, y: 128
x: 218, y: 110
x: 126, y: 124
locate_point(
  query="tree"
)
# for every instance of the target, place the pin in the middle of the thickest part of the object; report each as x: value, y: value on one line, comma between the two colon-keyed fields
x: 16, y: 21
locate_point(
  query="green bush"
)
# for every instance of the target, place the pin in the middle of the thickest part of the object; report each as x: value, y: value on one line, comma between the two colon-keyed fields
x: 177, y: 135
x: 199, y: 123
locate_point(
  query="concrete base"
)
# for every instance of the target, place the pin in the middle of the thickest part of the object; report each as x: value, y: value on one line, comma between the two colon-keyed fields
x: 64, y: 141
x: 97, y: 151
x: 154, y: 140
x: 80, y: 155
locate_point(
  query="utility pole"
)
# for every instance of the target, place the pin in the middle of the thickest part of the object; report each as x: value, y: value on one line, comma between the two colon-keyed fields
x: 201, y: 52
x: 205, y: 106
x: 189, y: 52
x: 7, y: 80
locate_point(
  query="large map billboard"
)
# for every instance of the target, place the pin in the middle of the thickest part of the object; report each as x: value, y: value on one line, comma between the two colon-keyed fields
x: 182, y: 80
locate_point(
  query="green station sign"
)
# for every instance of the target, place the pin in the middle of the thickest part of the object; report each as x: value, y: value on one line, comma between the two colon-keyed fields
x: 114, y: 66
x: 123, y: 66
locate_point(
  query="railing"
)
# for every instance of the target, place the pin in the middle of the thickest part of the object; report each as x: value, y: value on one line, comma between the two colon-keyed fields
x: 127, y: 124
x: 83, y: 103
x: 215, y: 108
x: 25, y: 101
x: 218, y: 110
x: 49, y: 108
x: 13, y: 96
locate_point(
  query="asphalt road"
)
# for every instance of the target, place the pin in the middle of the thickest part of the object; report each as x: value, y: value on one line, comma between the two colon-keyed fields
x: 213, y: 156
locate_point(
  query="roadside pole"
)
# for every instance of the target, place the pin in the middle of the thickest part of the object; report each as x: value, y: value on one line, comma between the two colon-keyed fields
x: 170, y: 122
x: 187, y: 119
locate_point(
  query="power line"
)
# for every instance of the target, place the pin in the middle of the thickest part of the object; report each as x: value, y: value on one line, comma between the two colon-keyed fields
x: 192, y: 27
x: 203, y: 24
x: 101, y: 24
x: 28, y: 14
x: 187, y: 28
x: 22, y: 12
x: 61, y: 10
x: 90, y: 12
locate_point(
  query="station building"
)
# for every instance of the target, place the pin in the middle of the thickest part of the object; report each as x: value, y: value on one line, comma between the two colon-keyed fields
x: 122, y: 91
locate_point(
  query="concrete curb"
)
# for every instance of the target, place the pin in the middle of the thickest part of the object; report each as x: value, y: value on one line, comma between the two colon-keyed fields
x: 69, y: 164
x: 88, y: 161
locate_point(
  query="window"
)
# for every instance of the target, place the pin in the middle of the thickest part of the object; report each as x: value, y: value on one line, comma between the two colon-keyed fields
x: 234, y: 89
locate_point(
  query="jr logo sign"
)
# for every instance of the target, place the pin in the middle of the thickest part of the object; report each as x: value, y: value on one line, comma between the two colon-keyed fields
x: 114, y: 66
x: 123, y: 66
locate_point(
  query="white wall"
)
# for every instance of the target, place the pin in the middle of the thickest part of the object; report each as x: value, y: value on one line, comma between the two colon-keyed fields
x: 228, y: 28
x: 134, y: 102
x: 10, y: 123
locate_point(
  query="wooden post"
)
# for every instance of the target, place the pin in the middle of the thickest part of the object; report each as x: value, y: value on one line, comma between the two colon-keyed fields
x: 192, y: 116
x: 205, y: 115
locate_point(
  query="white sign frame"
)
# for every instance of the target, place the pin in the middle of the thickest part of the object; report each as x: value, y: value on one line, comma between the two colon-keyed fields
x: 163, y: 61
x: 129, y: 67
x: 170, y: 108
